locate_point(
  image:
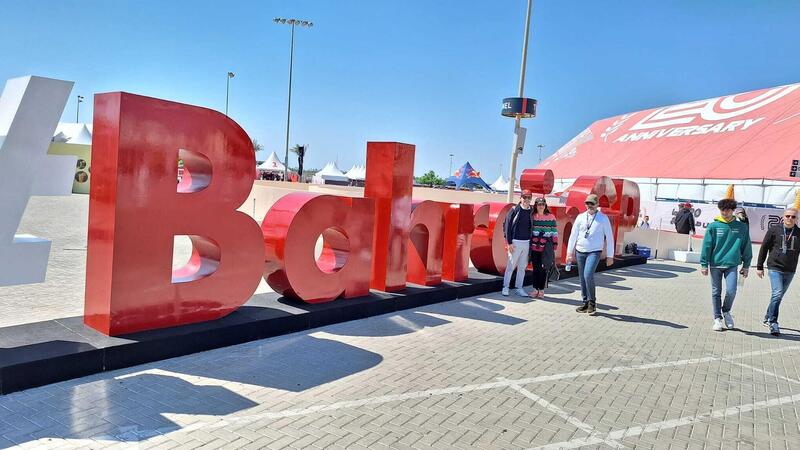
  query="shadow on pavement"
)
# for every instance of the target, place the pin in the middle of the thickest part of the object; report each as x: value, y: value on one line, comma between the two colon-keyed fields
x: 654, y: 270
x: 645, y: 320
x: 569, y: 301
x: 114, y: 415
x: 295, y: 363
x: 765, y: 334
x: 404, y: 322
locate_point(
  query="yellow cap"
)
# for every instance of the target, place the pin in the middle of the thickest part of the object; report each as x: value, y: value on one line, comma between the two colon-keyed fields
x: 729, y: 193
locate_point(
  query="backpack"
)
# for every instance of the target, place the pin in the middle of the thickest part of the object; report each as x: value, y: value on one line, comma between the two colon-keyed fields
x: 632, y: 249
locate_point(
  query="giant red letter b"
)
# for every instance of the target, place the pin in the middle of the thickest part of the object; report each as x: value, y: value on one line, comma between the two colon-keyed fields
x: 137, y: 207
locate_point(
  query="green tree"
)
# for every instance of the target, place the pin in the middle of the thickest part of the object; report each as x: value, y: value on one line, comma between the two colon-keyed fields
x: 430, y: 178
x: 257, y: 147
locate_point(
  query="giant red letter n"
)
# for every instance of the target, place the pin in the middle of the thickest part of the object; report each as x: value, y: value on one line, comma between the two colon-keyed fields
x: 137, y: 207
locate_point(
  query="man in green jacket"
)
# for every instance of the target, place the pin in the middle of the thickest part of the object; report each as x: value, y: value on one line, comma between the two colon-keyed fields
x: 726, y: 245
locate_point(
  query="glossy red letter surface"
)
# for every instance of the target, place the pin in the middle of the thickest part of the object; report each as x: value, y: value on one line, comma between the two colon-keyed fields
x: 390, y: 178
x: 488, y: 251
x: 136, y: 208
x: 458, y: 227
x: 291, y: 228
x: 426, y: 239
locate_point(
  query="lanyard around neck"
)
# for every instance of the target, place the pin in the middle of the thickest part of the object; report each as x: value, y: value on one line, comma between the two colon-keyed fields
x: 594, y: 216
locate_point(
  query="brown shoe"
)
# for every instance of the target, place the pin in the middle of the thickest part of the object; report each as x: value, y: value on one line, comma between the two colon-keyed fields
x: 583, y: 308
x: 592, y: 309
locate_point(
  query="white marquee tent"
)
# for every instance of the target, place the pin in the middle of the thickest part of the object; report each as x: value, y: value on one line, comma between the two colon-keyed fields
x: 330, y: 174
x: 272, y: 164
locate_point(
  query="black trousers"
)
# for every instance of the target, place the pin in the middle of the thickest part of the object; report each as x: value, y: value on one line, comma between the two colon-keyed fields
x: 539, y: 273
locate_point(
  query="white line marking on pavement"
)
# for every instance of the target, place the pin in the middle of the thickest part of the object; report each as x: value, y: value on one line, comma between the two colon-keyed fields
x: 217, y: 422
x: 674, y: 423
x: 756, y: 369
x: 574, y: 421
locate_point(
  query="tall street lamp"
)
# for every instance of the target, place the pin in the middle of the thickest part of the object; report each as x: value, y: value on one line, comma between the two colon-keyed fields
x: 293, y: 23
x: 541, y: 146
x: 78, y: 109
x: 228, y: 90
x: 450, y: 173
x: 519, y: 107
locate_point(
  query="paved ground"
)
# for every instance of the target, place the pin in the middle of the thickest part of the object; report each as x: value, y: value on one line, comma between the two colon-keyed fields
x: 484, y: 372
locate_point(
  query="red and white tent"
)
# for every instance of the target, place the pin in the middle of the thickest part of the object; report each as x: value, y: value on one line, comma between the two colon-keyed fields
x: 694, y: 150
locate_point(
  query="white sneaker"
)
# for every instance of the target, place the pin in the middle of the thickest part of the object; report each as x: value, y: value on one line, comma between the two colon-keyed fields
x: 521, y: 292
x: 728, y: 320
x: 505, y: 292
x: 718, y: 325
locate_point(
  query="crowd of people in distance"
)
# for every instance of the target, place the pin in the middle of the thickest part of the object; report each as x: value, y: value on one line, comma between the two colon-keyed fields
x: 532, y: 237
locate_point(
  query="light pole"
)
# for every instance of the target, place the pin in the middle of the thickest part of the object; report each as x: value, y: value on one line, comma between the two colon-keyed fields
x: 517, y: 129
x: 78, y: 109
x: 450, y: 173
x: 228, y: 90
x: 541, y: 146
x: 292, y: 22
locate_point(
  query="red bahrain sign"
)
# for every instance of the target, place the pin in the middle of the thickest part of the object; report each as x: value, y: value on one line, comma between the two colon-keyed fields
x: 381, y: 241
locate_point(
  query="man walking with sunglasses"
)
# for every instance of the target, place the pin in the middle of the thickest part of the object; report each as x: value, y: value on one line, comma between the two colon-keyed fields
x: 782, y: 246
x: 586, y: 240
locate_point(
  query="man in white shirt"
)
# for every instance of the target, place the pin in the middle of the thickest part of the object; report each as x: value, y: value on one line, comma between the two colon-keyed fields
x: 588, y: 233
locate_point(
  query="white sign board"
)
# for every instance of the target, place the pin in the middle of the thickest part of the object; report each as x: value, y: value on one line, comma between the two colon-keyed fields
x: 30, y: 108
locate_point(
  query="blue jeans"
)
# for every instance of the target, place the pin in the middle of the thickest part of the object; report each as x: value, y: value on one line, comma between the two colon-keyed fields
x: 717, y: 275
x: 780, y: 284
x: 587, y: 264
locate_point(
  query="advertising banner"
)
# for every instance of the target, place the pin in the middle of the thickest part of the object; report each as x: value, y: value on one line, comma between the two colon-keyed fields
x: 663, y: 214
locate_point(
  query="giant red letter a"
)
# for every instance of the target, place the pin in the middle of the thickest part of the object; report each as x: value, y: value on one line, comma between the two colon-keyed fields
x: 136, y: 208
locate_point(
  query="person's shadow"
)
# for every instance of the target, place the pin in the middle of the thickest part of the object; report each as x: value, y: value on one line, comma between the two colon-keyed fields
x: 645, y: 320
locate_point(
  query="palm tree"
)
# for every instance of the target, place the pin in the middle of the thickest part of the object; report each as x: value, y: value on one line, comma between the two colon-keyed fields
x: 257, y: 147
x: 300, y: 151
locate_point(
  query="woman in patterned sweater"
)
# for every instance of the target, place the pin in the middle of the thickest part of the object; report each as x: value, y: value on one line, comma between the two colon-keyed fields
x: 544, y: 235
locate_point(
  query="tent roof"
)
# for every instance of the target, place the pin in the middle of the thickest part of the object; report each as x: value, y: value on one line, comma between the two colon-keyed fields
x: 73, y: 133
x: 329, y: 173
x: 749, y: 135
x: 466, y: 175
x: 357, y: 172
x: 272, y: 164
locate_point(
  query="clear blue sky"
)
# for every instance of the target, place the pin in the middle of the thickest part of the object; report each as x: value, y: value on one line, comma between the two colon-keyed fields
x: 430, y: 73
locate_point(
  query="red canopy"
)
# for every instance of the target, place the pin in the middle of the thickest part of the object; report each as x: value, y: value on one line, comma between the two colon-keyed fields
x: 751, y: 135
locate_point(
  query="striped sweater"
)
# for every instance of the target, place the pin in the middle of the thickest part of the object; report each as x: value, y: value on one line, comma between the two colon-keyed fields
x: 544, y: 229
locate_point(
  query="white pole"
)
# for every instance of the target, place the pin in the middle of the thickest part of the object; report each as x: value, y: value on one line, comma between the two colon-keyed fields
x: 512, y: 176
x: 658, y: 237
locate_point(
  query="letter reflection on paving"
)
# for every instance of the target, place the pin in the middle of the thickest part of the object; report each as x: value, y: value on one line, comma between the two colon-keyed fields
x: 291, y: 228
x: 136, y: 208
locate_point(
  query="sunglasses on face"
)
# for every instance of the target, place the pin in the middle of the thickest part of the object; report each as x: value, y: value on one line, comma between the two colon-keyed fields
x: 790, y: 216
x: 589, y: 204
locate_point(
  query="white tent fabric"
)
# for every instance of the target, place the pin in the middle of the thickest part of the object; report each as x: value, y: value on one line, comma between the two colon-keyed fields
x: 330, y: 173
x: 272, y: 164
x: 73, y: 133
x: 500, y: 184
x: 357, y: 172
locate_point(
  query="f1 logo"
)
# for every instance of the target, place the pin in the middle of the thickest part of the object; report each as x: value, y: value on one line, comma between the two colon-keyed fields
x: 30, y: 108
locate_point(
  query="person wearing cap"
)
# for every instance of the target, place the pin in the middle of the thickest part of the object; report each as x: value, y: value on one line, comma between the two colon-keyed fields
x: 684, y: 220
x: 726, y: 245
x: 783, y: 247
x: 589, y: 232
x: 517, y: 229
